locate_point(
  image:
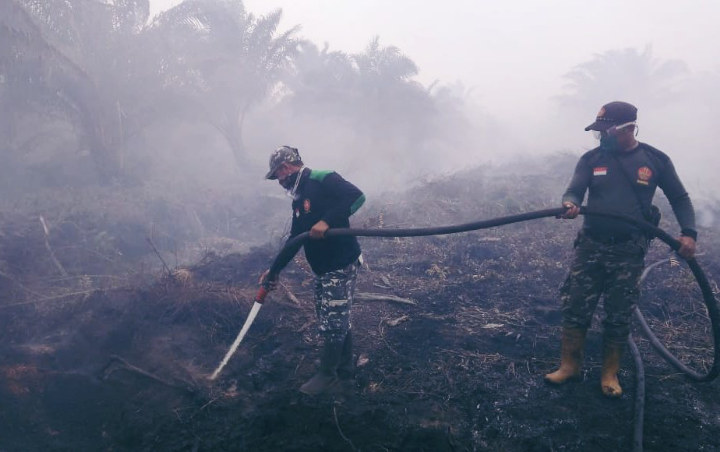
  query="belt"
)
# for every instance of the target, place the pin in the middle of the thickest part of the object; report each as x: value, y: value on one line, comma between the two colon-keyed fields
x: 610, y: 239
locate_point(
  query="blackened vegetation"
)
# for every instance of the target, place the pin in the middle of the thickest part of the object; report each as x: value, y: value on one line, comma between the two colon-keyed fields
x: 124, y: 366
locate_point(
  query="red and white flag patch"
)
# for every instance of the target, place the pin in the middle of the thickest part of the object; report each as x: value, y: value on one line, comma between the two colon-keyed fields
x: 600, y: 171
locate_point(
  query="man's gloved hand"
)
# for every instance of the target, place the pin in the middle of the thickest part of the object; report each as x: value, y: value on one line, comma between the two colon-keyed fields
x: 571, y: 210
x: 687, y: 247
x: 271, y: 284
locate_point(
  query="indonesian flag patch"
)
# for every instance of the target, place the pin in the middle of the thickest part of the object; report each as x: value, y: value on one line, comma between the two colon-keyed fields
x: 600, y: 171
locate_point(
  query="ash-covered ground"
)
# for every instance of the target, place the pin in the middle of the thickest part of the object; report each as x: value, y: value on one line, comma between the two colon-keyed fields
x: 453, y: 335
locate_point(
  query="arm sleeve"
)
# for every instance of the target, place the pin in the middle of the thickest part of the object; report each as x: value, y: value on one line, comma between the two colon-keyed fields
x: 285, y: 256
x: 347, y: 199
x: 679, y: 199
x: 579, y: 183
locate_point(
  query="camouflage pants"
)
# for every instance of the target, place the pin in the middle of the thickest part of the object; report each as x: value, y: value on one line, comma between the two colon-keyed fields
x: 334, y: 293
x: 609, y: 270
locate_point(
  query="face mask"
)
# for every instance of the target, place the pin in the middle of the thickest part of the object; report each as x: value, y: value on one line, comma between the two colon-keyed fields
x: 609, y: 142
x: 289, y: 181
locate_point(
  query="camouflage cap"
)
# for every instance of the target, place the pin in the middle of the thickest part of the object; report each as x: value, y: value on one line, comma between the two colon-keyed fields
x: 281, y: 155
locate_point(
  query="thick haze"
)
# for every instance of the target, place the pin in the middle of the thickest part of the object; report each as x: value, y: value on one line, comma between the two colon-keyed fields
x: 514, y: 53
x: 196, y: 95
x: 513, y: 58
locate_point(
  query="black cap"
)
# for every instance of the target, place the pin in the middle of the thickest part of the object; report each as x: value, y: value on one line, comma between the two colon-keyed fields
x: 613, y: 114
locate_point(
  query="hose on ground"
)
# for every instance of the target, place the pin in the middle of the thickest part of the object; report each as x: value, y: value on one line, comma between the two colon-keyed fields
x: 639, y: 411
x: 294, y: 244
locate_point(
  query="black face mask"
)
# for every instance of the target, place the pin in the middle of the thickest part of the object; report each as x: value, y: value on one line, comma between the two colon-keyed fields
x: 609, y: 142
x: 289, y: 182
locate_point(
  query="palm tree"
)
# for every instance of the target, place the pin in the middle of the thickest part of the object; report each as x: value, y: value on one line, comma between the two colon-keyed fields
x: 626, y: 74
x: 390, y: 96
x: 36, y: 76
x: 371, y: 95
x: 322, y: 82
x: 387, y: 64
x: 223, y: 61
x: 86, y: 70
x: 20, y: 55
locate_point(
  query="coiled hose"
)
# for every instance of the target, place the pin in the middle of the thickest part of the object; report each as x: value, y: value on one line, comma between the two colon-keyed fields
x: 294, y: 244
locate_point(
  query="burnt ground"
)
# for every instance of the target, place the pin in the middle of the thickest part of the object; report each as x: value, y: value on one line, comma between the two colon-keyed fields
x: 124, y: 366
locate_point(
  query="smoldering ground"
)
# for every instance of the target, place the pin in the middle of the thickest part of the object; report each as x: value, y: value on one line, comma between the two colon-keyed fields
x: 134, y: 223
x: 454, y: 334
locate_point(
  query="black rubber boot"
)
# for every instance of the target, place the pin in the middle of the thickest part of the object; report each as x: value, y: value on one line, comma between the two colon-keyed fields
x: 346, y: 368
x: 327, y: 376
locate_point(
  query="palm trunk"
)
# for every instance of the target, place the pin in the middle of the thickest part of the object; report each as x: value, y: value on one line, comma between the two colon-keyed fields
x: 232, y: 130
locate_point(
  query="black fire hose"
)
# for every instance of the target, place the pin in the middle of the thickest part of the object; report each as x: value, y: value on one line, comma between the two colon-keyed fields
x: 640, y: 370
x: 293, y: 245
x: 708, y: 298
x: 639, y: 411
x: 714, y: 315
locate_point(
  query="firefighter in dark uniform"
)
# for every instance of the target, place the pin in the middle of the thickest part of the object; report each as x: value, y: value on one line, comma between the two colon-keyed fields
x: 621, y: 176
x: 323, y: 200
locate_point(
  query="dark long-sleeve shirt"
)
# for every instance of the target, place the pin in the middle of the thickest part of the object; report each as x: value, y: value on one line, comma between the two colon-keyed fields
x: 600, y: 173
x: 325, y: 195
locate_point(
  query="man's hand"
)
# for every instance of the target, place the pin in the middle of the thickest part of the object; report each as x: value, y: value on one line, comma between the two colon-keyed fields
x: 687, y: 247
x: 318, y: 230
x: 571, y: 210
x: 271, y: 284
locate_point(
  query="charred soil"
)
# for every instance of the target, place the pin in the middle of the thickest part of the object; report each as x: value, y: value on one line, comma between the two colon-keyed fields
x: 453, y: 335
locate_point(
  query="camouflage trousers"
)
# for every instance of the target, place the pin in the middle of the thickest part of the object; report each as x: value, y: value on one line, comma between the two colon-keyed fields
x: 334, y: 293
x: 609, y: 270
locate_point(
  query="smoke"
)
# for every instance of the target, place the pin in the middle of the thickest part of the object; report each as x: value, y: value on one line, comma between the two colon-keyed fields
x: 408, y: 134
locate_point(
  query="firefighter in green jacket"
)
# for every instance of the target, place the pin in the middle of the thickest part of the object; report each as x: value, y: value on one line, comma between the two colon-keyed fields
x: 323, y: 200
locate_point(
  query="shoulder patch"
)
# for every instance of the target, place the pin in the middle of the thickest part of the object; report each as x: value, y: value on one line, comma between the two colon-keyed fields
x: 319, y: 175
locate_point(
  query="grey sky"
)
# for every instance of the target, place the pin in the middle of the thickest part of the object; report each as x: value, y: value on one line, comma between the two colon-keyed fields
x: 514, y: 53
